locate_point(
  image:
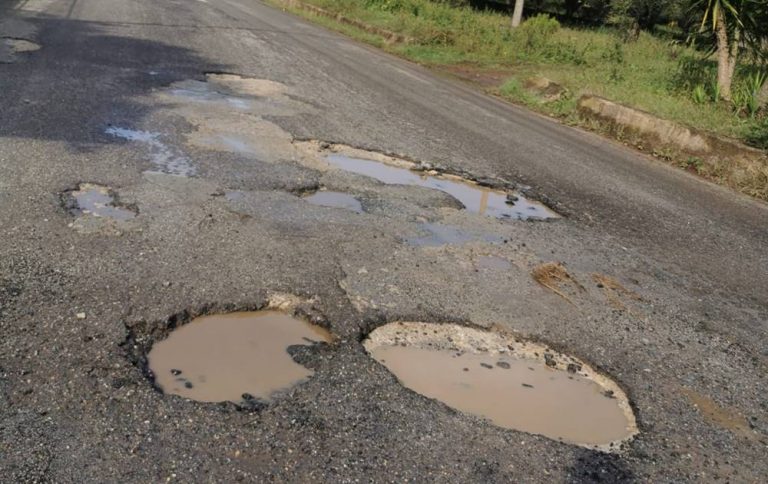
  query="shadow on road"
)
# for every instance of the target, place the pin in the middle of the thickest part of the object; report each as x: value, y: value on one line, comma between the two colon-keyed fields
x: 84, y: 76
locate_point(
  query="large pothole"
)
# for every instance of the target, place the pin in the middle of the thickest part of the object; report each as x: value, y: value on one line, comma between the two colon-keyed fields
x: 238, y: 357
x: 474, y: 197
x: 516, y: 385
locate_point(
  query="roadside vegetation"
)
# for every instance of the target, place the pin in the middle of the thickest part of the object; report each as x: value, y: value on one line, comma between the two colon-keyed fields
x: 659, y: 56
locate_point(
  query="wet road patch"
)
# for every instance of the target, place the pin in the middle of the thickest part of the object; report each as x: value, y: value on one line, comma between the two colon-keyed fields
x: 436, y: 234
x: 517, y: 385
x: 238, y: 357
x: 165, y: 158
x: 335, y: 200
x: 475, y: 198
x: 95, y: 208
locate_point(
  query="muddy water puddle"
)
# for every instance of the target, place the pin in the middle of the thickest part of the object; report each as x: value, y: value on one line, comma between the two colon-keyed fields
x: 335, y: 200
x: 98, y: 201
x: 521, y: 386
x: 165, y: 158
x: 436, y: 235
x: 476, y: 199
x: 233, y: 357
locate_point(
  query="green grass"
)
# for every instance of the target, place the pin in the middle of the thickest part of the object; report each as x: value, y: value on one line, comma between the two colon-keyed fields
x: 646, y: 74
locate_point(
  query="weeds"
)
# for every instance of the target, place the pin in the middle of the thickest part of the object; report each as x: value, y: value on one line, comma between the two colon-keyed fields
x: 699, y: 94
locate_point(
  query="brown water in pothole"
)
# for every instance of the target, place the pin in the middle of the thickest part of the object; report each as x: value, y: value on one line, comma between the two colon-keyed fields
x: 233, y: 357
x: 335, y: 200
x: 515, y: 385
x: 476, y: 199
x: 96, y: 200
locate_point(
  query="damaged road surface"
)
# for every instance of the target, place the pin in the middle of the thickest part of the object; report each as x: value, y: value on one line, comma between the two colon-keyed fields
x: 238, y: 247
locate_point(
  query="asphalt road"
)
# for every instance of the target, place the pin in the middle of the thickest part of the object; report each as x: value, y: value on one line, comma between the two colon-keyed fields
x: 220, y: 225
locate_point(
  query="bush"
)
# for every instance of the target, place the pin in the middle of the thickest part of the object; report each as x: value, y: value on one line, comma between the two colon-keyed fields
x: 537, y: 31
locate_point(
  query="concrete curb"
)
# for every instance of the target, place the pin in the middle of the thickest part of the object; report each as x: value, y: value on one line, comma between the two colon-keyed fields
x: 737, y: 165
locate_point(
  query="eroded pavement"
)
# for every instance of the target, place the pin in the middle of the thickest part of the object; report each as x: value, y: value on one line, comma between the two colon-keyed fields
x: 189, y: 191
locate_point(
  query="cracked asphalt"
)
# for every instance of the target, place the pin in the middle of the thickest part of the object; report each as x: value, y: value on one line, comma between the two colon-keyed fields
x: 216, y: 166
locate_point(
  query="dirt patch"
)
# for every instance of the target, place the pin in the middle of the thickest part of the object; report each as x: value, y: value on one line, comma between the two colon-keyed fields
x: 515, y: 384
x: 555, y: 277
x: 614, y: 291
x: 725, y: 418
x: 485, y: 78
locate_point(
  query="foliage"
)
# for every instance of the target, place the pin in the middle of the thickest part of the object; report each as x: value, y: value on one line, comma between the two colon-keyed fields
x: 537, y: 31
x: 758, y: 134
x: 700, y: 94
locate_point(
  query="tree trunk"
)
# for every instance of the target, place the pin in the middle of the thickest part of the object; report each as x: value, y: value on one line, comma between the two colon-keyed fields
x: 517, y: 15
x: 725, y: 66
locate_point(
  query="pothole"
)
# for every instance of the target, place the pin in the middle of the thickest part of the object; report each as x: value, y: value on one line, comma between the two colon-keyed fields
x: 95, y: 209
x: 333, y: 199
x: 475, y: 198
x: 165, y: 158
x: 18, y: 46
x: 233, y: 357
x: 516, y: 385
x: 440, y: 234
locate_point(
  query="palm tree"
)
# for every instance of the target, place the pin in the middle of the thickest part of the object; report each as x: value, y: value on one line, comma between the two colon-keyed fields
x: 725, y: 17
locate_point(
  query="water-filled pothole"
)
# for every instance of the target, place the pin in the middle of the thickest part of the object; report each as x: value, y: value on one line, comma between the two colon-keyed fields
x: 475, y: 198
x: 233, y: 357
x: 97, y: 201
x: 335, y: 200
x: 516, y: 385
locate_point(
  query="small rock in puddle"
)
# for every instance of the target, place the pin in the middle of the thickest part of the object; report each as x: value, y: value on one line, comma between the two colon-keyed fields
x: 451, y: 363
x: 492, y: 263
x: 222, y: 357
x: 161, y: 155
x: 335, y: 200
x: 98, y: 201
x: 476, y: 199
x: 439, y: 234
